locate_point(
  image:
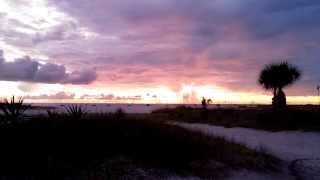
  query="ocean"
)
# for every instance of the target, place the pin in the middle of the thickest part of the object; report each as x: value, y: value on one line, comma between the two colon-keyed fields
x: 41, y: 108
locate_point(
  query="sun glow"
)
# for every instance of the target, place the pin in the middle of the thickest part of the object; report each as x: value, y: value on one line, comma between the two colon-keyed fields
x: 194, y: 94
x: 35, y: 13
x: 188, y: 94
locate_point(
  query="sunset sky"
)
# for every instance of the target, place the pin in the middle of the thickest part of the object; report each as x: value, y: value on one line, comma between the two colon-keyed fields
x: 155, y: 51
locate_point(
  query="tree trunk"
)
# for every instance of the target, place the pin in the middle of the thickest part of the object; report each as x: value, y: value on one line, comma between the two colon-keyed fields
x: 282, y: 101
x: 274, y: 99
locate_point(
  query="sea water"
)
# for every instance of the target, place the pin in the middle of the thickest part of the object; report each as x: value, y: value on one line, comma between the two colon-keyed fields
x: 41, y: 108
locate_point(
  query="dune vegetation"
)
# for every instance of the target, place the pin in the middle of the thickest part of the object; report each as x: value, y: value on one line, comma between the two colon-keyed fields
x: 295, y: 117
x: 81, y: 145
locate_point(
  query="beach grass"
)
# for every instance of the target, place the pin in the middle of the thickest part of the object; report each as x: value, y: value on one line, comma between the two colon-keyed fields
x: 116, y: 145
x: 305, y: 118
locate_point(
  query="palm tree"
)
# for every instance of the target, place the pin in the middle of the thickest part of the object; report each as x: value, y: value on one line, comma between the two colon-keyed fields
x: 277, y: 76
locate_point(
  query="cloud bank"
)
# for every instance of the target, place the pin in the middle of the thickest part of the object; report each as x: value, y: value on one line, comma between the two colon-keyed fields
x: 30, y: 70
x: 56, y: 96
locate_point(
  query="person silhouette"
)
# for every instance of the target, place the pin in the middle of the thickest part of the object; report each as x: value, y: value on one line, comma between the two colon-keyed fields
x: 204, y: 103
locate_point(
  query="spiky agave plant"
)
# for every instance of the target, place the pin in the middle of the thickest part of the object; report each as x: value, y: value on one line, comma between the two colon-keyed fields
x: 13, y: 110
x: 75, y: 111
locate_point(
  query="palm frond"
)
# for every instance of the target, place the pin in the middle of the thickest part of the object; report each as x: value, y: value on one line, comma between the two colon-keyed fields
x: 279, y: 75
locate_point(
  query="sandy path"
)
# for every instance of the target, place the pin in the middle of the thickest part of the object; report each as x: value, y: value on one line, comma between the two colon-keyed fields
x: 286, y: 145
x: 289, y: 145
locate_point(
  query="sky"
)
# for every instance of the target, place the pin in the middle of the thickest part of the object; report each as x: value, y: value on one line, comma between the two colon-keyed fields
x: 156, y: 51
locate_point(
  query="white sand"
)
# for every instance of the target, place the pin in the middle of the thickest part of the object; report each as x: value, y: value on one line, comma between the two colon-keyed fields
x: 288, y: 146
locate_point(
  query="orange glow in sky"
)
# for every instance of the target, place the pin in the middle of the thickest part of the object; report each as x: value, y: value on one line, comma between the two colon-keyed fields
x: 188, y: 94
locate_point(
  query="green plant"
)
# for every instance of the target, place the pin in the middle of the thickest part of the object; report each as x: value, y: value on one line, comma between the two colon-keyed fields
x: 13, y: 110
x: 76, y: 111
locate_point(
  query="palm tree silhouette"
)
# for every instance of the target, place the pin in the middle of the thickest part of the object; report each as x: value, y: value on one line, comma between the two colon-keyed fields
x: 277, y: 76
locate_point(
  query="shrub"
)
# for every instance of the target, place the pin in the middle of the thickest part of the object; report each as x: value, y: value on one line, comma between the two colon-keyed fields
x: 75, y: 111
x: 13, y: 110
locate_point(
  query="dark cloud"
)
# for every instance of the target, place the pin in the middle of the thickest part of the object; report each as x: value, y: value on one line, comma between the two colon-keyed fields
x: 296, y: 21
x: 80, y: 77
x: 31, y: 70
x: 285, y: 5
x: 22, y: 69
x: 51, y: 73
